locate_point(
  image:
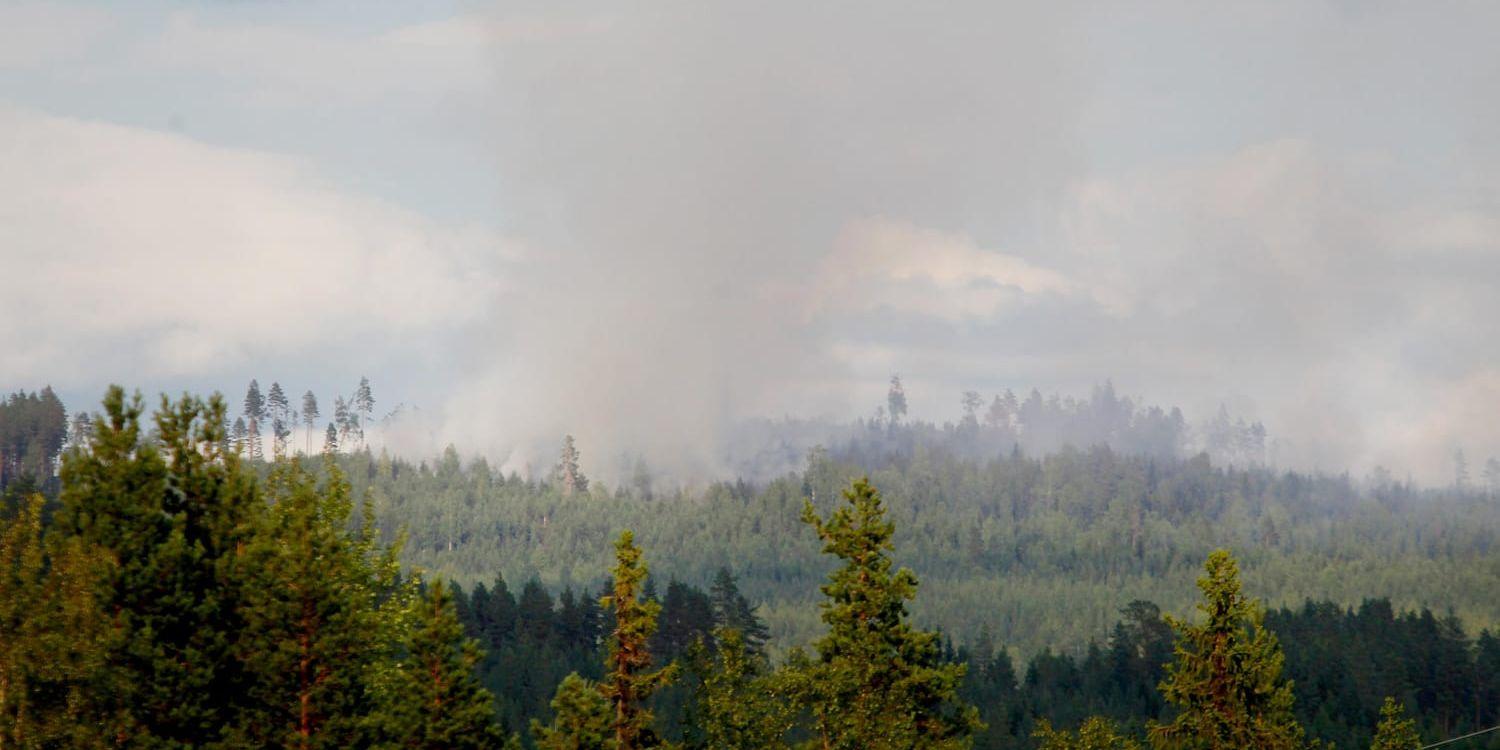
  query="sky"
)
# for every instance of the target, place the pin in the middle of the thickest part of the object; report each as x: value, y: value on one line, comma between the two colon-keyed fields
x: 640, y: 224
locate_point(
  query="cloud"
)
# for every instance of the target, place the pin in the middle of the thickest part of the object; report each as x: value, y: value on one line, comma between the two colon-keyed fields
x: 34, y: 35
x: 152, y: 257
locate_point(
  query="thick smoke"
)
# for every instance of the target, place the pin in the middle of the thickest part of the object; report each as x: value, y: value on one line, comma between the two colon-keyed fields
x: 681, y: 176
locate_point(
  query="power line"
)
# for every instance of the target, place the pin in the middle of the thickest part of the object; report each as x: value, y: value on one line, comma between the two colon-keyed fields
x: 1456, y: 739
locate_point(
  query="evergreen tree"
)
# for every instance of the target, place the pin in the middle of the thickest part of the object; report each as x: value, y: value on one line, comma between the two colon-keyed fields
x: 629, y: 680
x: 435, y: 701
x: 736, y: 700
x: 331, y: 440
x: 174, y: 517
x: 1226, y: 680
x: 238, y: 435
x: 568, y: 475
x: 1396, y: 732
x: 322, y: 604
x: 310, y: 416
x: 255, y: 403
x: 1097, y: 733
x: 580, y: 718
x: 364, y: 404
x: 878, y: 682
x: 732, y: 610
x: 279, y: 411
x: 56, y: 639
x: 343, y: 417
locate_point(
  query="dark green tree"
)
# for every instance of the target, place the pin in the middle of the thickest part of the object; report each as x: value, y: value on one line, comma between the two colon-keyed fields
x: 1226, y: 680
x: 732, y: 610
x: 878, y: 682
x: 174, y: 513
x: 434, y: 700
x: 322, y: 608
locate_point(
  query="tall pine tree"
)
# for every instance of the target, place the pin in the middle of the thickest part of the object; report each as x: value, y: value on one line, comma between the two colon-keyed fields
x: 878, y: 682
x: 1226, y: 680
x: 629, y: 680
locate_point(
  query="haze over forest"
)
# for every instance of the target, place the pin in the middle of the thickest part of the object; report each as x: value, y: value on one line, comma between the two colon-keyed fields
x: 646, y: 228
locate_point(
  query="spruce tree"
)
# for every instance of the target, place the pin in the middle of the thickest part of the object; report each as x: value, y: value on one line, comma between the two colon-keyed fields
x: 1395, y: 732
x: 1226, y: 679
x: 331, y: 440
x: 434, y: 700
x: 580, y: 718
x: 878, y: 682
x: 732, y: 610
x: 629, y: 680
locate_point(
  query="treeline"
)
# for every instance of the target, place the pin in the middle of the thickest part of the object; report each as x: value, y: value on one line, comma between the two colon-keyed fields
x: 996, y: 424
x: 33, y: 428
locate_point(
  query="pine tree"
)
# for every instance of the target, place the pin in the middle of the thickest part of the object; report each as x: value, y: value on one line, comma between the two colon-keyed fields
x: 364, y: 405
x: 255, y: 403
x: 343, y: 418
x: 56, y: 638
x: 736, y: 700
x: 1097, y: 733
x: 322, y: 608
x: 238, y: 435
x: 878, y: 682
x: 1226, y: 680
x: 331, y: 440
x: 174, y: 517
x: 629, y: 681
x: 568, y: 475
x: 580, y: 718
x: 280, y: 413
x: 1396, y: 732
x: 310, y: 416
x: 434, y: 700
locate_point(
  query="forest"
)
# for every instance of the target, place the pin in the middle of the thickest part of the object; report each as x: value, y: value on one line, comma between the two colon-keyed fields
x: 357, y: 599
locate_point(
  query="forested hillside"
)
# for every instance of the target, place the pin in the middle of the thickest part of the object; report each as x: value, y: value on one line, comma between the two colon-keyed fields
x: 1043, y: 551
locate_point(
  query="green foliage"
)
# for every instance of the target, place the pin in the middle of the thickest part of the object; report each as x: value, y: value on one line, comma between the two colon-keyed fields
x: 1395, y: 732
x: 173, y: 514
x: 1226, y: 681
x: 581, y: 718
x: 878, y: 682
x: 434, y: 700
x: 739, y: 703
x: 56, y: 638
x: 33, y: 427
x: 629, y: 679
x: 1096, y: 733
x: 321, y: 607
